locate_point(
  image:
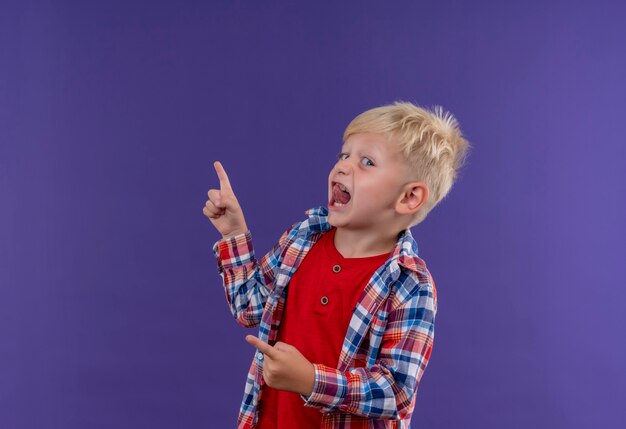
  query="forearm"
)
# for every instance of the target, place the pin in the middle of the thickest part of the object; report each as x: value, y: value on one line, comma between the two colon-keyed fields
x: 244, y: 285
x: 248, y: 282
x: 364, y: 392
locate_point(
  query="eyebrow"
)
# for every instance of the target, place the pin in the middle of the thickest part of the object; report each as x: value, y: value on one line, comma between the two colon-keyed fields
x: 369, y: 151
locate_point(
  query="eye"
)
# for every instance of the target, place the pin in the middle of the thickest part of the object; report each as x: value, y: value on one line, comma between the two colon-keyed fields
x: 368, y: 162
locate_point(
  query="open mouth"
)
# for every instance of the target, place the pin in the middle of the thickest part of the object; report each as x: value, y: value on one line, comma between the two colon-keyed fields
x: 340, y: 196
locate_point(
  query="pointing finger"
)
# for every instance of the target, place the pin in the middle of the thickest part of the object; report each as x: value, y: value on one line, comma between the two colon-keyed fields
x: 262, y: 346
x: 221, y: 173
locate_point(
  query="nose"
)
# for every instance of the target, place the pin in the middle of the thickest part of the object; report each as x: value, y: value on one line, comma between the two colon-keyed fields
x: 343, y: 166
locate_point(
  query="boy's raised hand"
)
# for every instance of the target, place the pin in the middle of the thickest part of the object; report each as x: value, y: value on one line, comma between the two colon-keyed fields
x: 222, y: 207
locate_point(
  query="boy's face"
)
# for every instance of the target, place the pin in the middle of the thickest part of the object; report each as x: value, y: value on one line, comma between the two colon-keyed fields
x: 374, y: 172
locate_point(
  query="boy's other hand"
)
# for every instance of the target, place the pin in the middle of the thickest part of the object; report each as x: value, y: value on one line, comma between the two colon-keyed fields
x: 284, y: 367
x: 222, y: 207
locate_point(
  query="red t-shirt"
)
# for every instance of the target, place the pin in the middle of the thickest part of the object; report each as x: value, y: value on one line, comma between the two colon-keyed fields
x: 321, y: 297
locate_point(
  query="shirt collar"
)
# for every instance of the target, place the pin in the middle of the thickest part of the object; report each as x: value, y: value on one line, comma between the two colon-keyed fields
x: 405, y: 251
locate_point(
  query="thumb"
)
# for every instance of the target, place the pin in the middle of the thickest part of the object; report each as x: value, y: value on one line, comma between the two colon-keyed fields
x: 219, y: 201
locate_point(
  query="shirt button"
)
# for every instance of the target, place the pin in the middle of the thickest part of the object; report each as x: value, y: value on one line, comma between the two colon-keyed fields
x: 324, y: 300
x: 336, y: 268
x: 259, y: 355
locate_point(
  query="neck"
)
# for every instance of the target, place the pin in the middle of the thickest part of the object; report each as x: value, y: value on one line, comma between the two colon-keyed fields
x: 362, y: 244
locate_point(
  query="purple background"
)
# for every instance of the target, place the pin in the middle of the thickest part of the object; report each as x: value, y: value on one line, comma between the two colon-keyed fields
x: 112, y: 313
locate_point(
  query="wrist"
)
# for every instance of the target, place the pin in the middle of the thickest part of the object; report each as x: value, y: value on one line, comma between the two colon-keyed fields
x: 308, y: 382
x: 234, y: 233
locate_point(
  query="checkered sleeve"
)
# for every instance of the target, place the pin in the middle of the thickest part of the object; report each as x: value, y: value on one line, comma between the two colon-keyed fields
x: 247, y: 283
x: 387, y: 389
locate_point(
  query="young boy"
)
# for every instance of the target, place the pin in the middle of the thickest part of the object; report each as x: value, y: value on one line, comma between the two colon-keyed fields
x: 345, y: 306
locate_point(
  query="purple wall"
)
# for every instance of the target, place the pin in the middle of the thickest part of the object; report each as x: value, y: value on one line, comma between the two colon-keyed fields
x: 112, y: 313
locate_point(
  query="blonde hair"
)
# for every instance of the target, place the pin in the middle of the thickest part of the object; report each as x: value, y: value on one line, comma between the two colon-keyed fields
x: 430, y: 140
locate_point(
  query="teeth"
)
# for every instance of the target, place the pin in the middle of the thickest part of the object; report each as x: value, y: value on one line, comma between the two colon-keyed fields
x: 343, y: 188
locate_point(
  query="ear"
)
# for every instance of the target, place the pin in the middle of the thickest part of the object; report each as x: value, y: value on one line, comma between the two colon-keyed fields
x: 413, y: 198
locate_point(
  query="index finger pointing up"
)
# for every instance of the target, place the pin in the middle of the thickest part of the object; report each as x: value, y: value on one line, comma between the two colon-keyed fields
x: 221, y: 174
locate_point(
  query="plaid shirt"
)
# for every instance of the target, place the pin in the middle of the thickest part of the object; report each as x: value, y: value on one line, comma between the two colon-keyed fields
x: 391, y: 330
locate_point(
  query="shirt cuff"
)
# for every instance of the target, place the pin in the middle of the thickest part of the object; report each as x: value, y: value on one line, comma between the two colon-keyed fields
x: 234, y: 251
x: 305, y: 398
x: 329, y: 390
